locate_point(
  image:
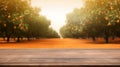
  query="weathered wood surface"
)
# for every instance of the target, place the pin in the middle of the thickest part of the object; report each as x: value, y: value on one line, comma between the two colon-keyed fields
x: 59, y: 56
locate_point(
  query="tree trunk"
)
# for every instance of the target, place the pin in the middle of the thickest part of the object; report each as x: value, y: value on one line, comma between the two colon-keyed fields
x: 93, y: 38
x: 107, y: 39
x: 18, y: 39
x: 21, y: 38
x: 28, y: 38
x: 8, y: 39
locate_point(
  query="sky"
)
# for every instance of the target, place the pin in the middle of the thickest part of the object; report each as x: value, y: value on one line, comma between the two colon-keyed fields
x: 56, y: 10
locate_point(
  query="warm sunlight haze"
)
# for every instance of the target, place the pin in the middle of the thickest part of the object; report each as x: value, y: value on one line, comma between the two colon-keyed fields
x: 56, y: 10
x: 58, y: 33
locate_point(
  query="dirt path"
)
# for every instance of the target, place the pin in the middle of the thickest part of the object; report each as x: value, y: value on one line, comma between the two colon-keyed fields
x: 60, y: 43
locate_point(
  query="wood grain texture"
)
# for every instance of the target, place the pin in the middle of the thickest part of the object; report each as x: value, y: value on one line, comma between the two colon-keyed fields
x: 59, y: 56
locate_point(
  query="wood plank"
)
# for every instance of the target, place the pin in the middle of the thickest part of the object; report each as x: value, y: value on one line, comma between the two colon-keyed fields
x: 59, y: 56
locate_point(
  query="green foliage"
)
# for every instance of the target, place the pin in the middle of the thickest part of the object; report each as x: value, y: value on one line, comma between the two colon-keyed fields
x: 52, y: 34
x: 73, y: 27
x: 98, y: 18
x: 11, y: 16
x: 18, y: 19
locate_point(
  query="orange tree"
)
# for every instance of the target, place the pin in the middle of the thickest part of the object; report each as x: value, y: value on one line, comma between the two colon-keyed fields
x: 51, y: 33
x: 11, y: 15
x: 18, y: 19
x: 73, y: 27
x: 104, y: 17
x: 98, y: 18
x: 38, y: 25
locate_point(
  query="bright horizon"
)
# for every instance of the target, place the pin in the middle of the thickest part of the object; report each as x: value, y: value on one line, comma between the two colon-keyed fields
x: 56, y: 10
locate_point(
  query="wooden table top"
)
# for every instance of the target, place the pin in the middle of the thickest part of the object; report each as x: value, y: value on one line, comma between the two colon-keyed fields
x: 59, y: 56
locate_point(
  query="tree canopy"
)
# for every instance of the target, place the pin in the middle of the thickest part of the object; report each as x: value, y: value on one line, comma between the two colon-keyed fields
x: 98, y: 18
x: 18, y: 19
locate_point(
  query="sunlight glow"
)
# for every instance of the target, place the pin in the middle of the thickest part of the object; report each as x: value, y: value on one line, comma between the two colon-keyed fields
x: 56, y: 10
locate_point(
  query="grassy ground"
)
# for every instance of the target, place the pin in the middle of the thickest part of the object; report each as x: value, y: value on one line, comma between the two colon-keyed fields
x: 63, y: 43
